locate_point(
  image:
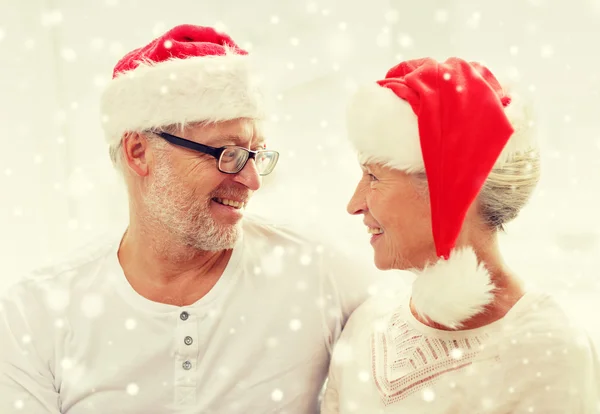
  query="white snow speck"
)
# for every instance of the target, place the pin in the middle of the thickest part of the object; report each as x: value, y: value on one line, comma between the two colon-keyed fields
x: 67, y: 363
x: 514, y: 50
x: 547, y: 51
x: 294, y: 41
x: 274, y: 19
x: 457, y: 353
x: 447, y: 76
x: 295, y: 324
x: 405, y: 40
x: 133, y: 389
x: 441, y: 16
x: 312, y: 7
x: 2, y: 34
x: 343, y: 25
x: 68, y: 54
x: 305, y: 259
x: 474, y: 20
x: 220, y: 27
x: 130, y: 324
x: 19, y: 404
x: 272, y: 342
x: 277, y: 395
x: 428, y: 395
x: 168, y: 44
x: 487, y: 403
x: 26, y: 339
x: 52, y: 18
x: 364, y: 376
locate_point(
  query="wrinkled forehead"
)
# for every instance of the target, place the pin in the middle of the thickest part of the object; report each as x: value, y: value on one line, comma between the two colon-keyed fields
x: 244, y: 132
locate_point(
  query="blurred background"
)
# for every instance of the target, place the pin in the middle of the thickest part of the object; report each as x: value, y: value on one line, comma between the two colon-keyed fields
x: 58, y: 189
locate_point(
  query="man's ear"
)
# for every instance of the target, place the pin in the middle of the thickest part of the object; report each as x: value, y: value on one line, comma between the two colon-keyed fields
x: 135, y: 153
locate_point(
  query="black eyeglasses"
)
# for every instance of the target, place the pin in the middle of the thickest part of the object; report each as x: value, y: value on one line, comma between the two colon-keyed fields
x: 231, y: 159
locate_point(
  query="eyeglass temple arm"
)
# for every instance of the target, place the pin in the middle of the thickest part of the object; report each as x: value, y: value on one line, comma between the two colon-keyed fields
x: 215, y: 152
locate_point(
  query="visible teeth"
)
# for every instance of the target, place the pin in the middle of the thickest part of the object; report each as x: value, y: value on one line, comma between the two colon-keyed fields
x: 374, y: 230
x: 231, y: 203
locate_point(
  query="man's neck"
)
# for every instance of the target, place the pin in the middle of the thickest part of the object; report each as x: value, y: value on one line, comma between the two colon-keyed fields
x: 166, y: 271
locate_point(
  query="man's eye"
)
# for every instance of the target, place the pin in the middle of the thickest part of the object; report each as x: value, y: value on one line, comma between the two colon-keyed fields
x: 372, y: 177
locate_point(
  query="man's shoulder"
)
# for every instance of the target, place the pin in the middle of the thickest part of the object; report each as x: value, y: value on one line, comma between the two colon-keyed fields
x: 53, y: 281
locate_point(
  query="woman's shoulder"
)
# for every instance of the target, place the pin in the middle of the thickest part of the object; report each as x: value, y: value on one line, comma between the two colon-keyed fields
x: 539, y: 324
x: 374, y: 311
x: 540, y: 314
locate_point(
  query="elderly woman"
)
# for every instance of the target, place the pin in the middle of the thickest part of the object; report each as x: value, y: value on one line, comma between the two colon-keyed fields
x: 448, y: 158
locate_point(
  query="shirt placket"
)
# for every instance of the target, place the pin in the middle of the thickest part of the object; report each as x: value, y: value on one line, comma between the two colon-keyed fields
x: 186, y: 360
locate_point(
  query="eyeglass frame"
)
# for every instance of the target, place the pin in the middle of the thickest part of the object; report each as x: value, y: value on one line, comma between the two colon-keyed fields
x: 215, y: 152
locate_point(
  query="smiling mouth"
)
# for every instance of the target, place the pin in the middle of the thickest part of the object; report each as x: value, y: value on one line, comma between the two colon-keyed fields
x: 374, y: 230
x: 238, y: 205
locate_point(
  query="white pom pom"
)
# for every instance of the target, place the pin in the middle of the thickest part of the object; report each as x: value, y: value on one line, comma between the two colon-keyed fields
x: 452, y: 291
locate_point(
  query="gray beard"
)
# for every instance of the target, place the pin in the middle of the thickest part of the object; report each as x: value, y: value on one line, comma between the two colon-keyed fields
x: 177, y: 211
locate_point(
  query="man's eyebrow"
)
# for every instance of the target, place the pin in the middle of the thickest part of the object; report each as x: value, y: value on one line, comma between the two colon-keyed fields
x: 235, y: 139
x: 239, y: 140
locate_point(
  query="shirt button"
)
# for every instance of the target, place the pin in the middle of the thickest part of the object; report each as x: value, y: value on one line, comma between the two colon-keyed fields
x: 184, y: 316
x: 188, y: 340
x: 187, y: 365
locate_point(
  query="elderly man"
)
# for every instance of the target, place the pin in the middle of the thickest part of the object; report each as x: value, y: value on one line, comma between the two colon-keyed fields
x: 193, y: 309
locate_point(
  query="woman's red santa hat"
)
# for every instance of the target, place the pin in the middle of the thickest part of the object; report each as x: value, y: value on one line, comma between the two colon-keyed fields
x: 454, y: 121
x: 189, y: 74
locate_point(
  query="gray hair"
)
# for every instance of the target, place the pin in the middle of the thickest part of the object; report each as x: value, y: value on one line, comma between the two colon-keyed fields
x: 115, y: 151
x: 506, y: 190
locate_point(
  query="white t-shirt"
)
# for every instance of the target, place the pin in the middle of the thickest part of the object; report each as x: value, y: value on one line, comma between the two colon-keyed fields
x: 78, y: 339
x: 530, y: 361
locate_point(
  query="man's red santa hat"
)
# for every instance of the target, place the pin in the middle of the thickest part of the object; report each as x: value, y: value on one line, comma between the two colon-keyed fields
x: 455, y: 122
x: 189, y: 74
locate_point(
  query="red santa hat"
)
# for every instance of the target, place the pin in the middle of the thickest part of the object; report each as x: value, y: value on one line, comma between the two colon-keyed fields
x: 455, y: 122
x: 189, y: 74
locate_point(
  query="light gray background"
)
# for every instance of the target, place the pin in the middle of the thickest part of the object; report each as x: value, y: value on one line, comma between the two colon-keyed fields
x: 58, y: 189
